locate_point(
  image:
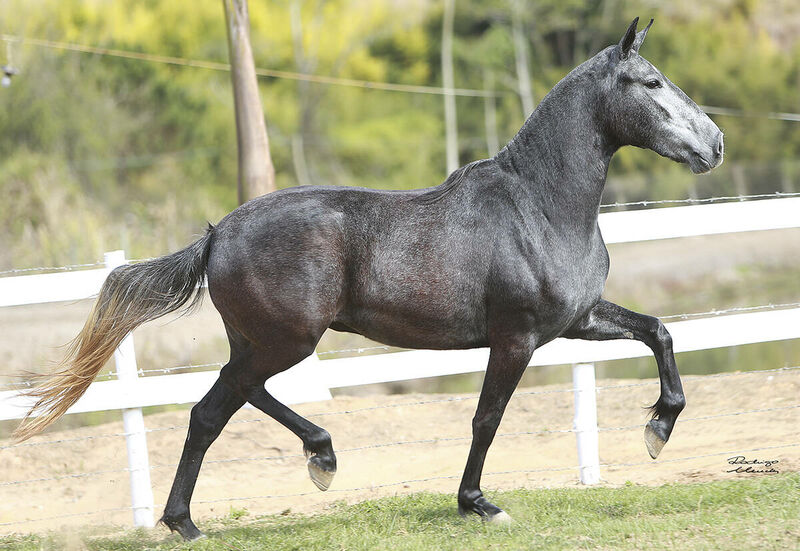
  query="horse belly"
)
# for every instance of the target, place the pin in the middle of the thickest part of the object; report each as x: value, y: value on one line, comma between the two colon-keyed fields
x: 431, y: 315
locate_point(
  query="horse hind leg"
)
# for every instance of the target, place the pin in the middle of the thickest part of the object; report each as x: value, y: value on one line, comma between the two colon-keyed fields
x: 266, y: 361
x: 208, y: 417
x: 317, y: 444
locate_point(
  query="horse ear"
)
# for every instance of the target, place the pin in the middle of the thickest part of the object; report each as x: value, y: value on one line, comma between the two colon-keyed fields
x: 626, y: 43
x: 637, y: 43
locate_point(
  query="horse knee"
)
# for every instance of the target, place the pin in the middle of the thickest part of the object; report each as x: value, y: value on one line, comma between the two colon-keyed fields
x: 663, y: 336
x: 658, y: 333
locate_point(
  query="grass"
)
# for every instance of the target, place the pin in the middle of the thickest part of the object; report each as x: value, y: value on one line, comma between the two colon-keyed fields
x: 759, y: 512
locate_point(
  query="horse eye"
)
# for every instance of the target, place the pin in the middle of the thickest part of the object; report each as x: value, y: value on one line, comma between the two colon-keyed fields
x: 654, y: 83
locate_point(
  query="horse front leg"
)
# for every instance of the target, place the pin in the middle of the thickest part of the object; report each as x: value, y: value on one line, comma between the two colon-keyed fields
x: 506, y: 366
x: 607, y: 321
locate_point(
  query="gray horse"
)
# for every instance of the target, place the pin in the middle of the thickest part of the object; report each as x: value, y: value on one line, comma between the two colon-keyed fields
x: 506, y: 253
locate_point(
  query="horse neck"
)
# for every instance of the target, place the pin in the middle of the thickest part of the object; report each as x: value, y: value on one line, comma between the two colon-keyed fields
x: 561, y: 155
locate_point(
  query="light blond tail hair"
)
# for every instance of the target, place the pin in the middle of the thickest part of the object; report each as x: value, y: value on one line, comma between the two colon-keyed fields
x: 130, y: 296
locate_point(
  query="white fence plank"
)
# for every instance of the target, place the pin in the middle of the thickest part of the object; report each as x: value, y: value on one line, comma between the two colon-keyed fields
x: 651, y: 224
x: 36, y: 289
x: 310, y: 380
x: 698, y: 334
x: 297, y: 385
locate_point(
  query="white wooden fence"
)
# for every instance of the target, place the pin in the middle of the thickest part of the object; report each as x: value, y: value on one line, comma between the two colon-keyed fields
x: 312, y: 379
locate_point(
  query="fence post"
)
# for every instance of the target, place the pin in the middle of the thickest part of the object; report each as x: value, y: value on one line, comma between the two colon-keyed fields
x: 585, y: 423
x: 133, y: 421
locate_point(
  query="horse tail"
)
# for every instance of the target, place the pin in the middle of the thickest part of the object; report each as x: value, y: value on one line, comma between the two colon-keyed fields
x: 130, y: 296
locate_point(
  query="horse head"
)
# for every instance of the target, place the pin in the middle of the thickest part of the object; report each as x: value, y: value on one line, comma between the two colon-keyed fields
x: 642, y: 107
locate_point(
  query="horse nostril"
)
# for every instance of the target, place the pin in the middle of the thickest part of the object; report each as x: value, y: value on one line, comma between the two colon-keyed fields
x: 720, y: 147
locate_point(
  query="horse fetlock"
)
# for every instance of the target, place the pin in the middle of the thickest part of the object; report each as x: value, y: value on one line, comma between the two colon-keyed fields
x: 318, y: 442
x: 321, y: 469
x: 668, y: 407
x: 472, y: 502
x: 182, y: 524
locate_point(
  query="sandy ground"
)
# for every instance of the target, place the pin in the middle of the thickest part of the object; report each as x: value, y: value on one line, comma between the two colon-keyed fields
x: 261, y: 458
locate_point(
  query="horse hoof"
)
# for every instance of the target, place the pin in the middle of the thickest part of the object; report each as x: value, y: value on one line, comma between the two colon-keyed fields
x: 185, y: 527
x: 653, y: 441
x: 319, y: 476
x: 500, y: 518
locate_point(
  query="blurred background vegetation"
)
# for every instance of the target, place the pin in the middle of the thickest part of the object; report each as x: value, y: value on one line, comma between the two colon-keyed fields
x: 100, y: 152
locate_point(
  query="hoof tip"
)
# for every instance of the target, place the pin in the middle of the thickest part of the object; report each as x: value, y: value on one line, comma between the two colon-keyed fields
x: 654, y: 442
x: 501, y: 518
x: 321, y: 478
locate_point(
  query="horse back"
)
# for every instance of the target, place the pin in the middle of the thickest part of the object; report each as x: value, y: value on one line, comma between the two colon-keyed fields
x: 382, y: 264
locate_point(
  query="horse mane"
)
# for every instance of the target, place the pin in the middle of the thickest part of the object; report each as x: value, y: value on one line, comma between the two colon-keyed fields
x: 452, y: 182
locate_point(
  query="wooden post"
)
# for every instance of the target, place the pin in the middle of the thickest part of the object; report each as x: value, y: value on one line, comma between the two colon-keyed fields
x: 256, y: 173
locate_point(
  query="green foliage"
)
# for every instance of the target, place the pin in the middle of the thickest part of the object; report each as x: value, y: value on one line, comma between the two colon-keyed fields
x: 748, y: 513
x: 137, y: 154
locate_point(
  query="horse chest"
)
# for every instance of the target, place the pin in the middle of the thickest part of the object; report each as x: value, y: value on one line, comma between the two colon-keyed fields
x: 549, y: 292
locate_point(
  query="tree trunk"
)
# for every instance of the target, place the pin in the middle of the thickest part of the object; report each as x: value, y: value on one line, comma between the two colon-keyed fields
x: 256, y: 173
x: 298, y: 139
x: 451, y: 126
x: 490, y: 114
x: 521, y: 58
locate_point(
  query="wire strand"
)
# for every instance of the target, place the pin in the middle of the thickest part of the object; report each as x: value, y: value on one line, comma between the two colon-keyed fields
x: 498, y: 473
x: 273, y: 73
x: 66, y: 268
x: 418, y: 480
x: 690, y: 378
x: 692, y: 200
x: 323, y: 79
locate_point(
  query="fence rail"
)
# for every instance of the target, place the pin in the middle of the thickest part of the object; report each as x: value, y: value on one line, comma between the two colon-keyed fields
x: 130, y: 393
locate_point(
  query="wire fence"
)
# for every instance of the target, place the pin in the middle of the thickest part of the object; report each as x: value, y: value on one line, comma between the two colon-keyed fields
x: 67, y: 268
x: 331, y: 80
x: 415, y: 442
x: 385, y: 348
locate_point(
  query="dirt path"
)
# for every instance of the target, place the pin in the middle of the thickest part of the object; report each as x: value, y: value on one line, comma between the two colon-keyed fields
x: 268, y: 461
